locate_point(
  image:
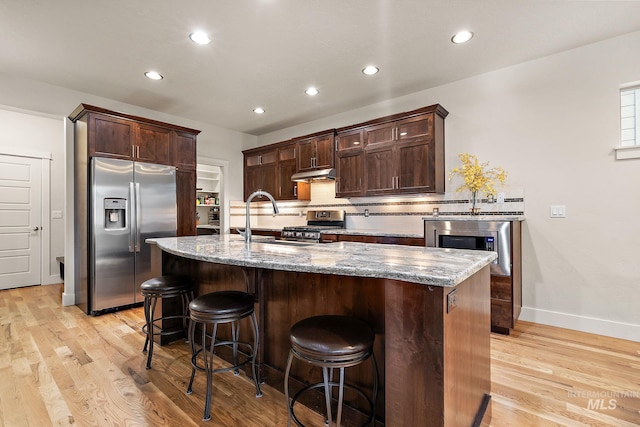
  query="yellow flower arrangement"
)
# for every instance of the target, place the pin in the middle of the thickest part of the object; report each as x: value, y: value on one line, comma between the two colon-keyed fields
x: 477, y: 177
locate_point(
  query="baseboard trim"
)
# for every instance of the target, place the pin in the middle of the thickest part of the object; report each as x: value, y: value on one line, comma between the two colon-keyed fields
x: 592, y: 325
x: 54, y: 279
x: 68, y: 299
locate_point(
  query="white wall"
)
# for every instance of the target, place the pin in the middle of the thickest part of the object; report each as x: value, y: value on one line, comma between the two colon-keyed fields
x: 552, y: 124
x: 37, y: 99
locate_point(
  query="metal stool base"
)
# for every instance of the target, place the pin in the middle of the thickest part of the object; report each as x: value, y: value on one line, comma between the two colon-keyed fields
x: 151, y: 327
x: 207, y: 353
x: 328, y: 385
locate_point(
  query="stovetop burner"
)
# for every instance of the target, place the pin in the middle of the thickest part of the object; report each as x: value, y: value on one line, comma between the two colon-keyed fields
x: 312, y: 227
x: 317, y: 221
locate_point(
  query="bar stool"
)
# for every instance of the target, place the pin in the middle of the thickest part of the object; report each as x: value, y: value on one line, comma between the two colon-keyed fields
x: 331, y: 342
x: 214, y: 309
x: 155, y: 289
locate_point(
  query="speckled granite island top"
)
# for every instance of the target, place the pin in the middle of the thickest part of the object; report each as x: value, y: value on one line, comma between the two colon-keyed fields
x: 429, y: 266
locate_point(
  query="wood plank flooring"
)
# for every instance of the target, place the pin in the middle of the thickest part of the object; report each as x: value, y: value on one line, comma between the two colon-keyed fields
x: 59, y: 367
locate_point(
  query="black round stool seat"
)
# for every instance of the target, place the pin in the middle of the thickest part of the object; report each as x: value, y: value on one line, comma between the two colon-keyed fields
x: 332, y: 338
x: 209, y: 311
x: 164, y: 287
x: 221, y: 306
x: 331, y: 342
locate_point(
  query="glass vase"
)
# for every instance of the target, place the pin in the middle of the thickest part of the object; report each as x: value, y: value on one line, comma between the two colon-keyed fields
x: 475, y: 210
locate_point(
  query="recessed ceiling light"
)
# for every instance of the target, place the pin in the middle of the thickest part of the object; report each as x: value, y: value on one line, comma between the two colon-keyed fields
x: 370, y: 70
x: 312, y: 91
x: 200, y: 37
x: 153, y: 75
x: 258, y: 110
x: 462, y: 37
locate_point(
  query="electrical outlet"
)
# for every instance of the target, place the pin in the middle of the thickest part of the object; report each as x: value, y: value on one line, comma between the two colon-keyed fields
x: 452, y: 300
x: 500, y: 198
x: 558, y: 211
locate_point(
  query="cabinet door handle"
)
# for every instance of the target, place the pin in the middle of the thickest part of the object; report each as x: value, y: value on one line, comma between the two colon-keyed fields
x: 133, y: 151
x: 295, y: 191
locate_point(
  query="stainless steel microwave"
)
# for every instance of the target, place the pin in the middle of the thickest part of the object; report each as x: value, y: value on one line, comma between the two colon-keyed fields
x: 474, y: 235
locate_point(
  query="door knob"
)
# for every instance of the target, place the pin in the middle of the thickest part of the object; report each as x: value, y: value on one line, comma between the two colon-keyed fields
x: 36, y: 228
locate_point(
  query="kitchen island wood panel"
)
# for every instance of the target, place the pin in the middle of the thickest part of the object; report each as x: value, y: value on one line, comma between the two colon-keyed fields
x: 434, y: 362
x: 327, y: 237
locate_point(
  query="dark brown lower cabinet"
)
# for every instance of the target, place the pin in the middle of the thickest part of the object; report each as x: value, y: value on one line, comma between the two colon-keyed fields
x: 386, y: 240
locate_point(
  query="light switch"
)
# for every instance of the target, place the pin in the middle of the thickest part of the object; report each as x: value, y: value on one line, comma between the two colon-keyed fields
x: 558, y: 211
x: 56, y: 214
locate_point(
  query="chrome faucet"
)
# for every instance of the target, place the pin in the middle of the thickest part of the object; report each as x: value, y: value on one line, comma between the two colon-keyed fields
x: 247, y: 229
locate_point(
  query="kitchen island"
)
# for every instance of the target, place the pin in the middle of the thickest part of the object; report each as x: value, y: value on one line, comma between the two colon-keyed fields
x: 429, y: 309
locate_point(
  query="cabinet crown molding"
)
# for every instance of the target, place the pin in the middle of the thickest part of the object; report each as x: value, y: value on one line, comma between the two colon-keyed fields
x: 84, y: 109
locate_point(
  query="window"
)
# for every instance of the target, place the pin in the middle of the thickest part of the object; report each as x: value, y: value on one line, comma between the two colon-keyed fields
x: 629, y: 116
x: 629, y: 123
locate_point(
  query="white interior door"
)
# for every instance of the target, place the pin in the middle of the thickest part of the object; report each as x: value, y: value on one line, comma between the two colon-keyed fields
x: 20, y: 221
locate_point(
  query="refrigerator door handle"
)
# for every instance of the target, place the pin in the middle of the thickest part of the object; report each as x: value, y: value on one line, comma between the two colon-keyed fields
x: 138, y: 222
x: 132, y: 236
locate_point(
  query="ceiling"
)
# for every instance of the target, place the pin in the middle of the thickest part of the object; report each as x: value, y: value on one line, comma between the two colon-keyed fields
x: 267, y: 52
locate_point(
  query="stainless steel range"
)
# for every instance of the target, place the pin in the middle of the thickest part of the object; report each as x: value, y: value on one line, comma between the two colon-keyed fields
x: 317, y: 221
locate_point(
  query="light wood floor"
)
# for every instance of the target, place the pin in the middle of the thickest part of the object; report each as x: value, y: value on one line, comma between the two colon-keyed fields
x: 61, y: 367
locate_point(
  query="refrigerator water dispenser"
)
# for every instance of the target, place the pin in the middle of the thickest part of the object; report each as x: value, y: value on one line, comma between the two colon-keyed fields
x: 115, y: 213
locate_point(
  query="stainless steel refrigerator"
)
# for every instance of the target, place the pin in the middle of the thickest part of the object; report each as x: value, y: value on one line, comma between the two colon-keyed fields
x: 130, y: 202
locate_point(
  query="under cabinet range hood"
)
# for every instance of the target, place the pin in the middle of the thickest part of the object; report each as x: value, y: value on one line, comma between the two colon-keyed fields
x: 317, y: 175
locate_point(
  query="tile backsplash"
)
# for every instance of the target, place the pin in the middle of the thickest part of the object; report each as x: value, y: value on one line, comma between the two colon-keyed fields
x: 401, y: 214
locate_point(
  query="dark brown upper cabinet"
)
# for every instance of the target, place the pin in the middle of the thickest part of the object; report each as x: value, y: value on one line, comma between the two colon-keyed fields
x: 152, y: 144
x: 184, y: 150
x: 398, y: 154
x: 400, y: 157
x: 315, y: 152
x: 350, y: 163
x: 270, y: 168
x: 260, y: 172
x: 287, y: 166
x: 393, y: 155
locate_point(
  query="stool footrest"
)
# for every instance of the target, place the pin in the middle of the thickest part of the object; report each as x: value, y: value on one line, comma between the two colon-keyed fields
x: 295, y: 397
x: 247, y: 358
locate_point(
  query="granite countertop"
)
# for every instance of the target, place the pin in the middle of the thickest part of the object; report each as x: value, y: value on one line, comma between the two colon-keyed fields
x: 474, y: 218
x: 415, y: 264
